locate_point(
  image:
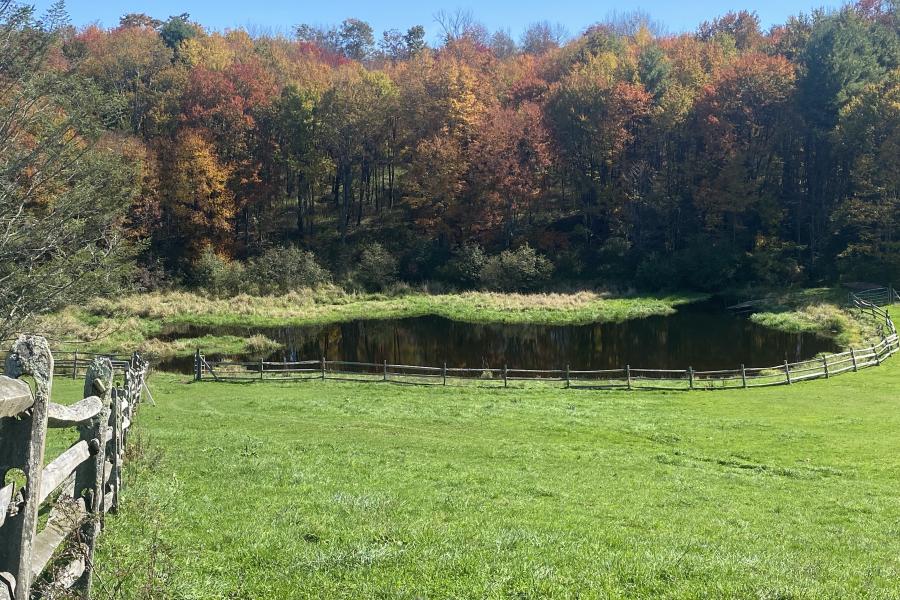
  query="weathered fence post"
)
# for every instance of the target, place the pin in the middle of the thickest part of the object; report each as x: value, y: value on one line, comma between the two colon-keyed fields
x: 22, y: 447
x: 690, y: 373
x: 115, y: 460
x: 75, y: 366
x: 787, y: 372
x: 504, y: 376
x: 877, y: 358
x: 198, y: 366
x: 90, y: 476
x: 262, y: 368
x: 825, y: 364
x: 323, y: 368
x: 568, y: 378
x: 628, y: 375
x: 444, y: 372
x: 743, y: 375
x: 385, y: 371
x: 853, y: 358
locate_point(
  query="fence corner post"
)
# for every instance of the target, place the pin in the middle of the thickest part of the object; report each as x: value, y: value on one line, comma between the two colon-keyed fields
x: 825, y: 364
x: 628, y: 375
x: 853, y: 357
x: 787, y: 372
x: 743, y: 375
x: 690, y: 373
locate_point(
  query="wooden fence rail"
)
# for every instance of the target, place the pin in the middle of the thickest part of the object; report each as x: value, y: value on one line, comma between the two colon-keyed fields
x: 79, y: 486
x: 866, y: 304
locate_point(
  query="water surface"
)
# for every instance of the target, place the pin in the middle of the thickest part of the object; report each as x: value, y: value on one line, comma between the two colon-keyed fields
x: 703, y: 335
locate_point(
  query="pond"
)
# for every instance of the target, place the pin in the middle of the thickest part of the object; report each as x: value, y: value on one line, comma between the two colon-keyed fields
x: 703, y: 335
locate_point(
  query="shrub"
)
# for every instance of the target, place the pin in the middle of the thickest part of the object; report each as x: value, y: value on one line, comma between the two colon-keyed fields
x: 465, y: 266
x: 216, y: 275
x: 516, y: 270
x: 280, y: 270
x: 376, y: 269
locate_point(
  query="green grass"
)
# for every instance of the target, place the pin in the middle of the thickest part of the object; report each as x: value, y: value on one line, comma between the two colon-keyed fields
x: 327, y: 489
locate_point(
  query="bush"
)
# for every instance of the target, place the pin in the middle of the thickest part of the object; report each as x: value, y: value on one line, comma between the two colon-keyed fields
x: 376, y: 269
x: 217, y: 275
x: 515, y: 271
x: 280, y: 270
x: 465, y: 266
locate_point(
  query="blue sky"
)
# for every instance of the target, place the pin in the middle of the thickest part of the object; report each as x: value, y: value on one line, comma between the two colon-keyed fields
x: 513, y: 15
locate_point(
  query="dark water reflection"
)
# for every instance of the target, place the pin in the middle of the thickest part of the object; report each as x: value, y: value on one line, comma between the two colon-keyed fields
x: 703, y: 335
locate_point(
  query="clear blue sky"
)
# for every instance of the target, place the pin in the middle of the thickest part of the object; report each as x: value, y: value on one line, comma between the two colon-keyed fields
x: 507, y: 14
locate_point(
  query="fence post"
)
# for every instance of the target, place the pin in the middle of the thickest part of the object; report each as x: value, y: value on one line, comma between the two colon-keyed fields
x: 198, y: 366
x: 385, y: 370
x: 568, y: 377
x: 262, y: 367
x: 825, y: 364
x: 75, y: 366
x: 787, y: 372
x: 504, y: 376
x: 89, y: 478
x: 743, y: 376
x: 323, y: 368
x: 853, y: 357
x: 115, y: 422
x: 877, y: 359
x: 22, y: 447
x: 444, y: 372
x: 690, y: 373
x: 628, y: 375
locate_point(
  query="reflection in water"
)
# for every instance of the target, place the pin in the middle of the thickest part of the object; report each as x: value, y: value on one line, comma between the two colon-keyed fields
x: 701, y: 335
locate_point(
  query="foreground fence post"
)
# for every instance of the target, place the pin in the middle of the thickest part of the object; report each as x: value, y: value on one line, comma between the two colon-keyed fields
x: 825, y: 364
x: 89, y: 478
x: 75, y: 366
x: 323, y: 368
x: 444, y: 372
x: 198, y: 366
x: 787, y: 372
x: 568, y: 378
x: 22, y: 439
x: 877, y: 358
x: 385, y: 371
x: 262, y: 368
x: 504, y: 376
x: 628, y: 375
x: 853, y: 357
x: 690, y: 373
x: 743, y: 376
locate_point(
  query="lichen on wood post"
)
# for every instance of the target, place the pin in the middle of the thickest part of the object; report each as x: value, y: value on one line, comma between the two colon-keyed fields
x: 22, y: 447
x: 89, y: 477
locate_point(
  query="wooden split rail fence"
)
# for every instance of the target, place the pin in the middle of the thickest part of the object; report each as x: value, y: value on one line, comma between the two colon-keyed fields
x: 77, y: 488
x: 866, y: 303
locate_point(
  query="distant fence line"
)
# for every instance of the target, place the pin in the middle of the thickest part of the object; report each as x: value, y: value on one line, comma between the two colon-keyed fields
x: 79, y: 486
x: 865, y: 303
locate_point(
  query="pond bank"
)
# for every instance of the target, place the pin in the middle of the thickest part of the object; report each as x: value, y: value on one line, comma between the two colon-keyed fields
x: 106, y: 325
x: 141, y: 320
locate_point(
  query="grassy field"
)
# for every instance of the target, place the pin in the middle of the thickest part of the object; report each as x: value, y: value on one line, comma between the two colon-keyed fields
x: 327, y: 489
x: 126, y: 323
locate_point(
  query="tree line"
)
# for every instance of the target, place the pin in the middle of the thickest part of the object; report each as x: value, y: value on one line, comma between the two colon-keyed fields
x: 622, y: 154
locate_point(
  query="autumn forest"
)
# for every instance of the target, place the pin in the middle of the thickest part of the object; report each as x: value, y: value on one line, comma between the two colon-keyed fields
x: 618, y: 155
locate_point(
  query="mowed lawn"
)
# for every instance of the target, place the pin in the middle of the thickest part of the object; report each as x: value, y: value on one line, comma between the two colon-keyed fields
x: 376, y: 490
